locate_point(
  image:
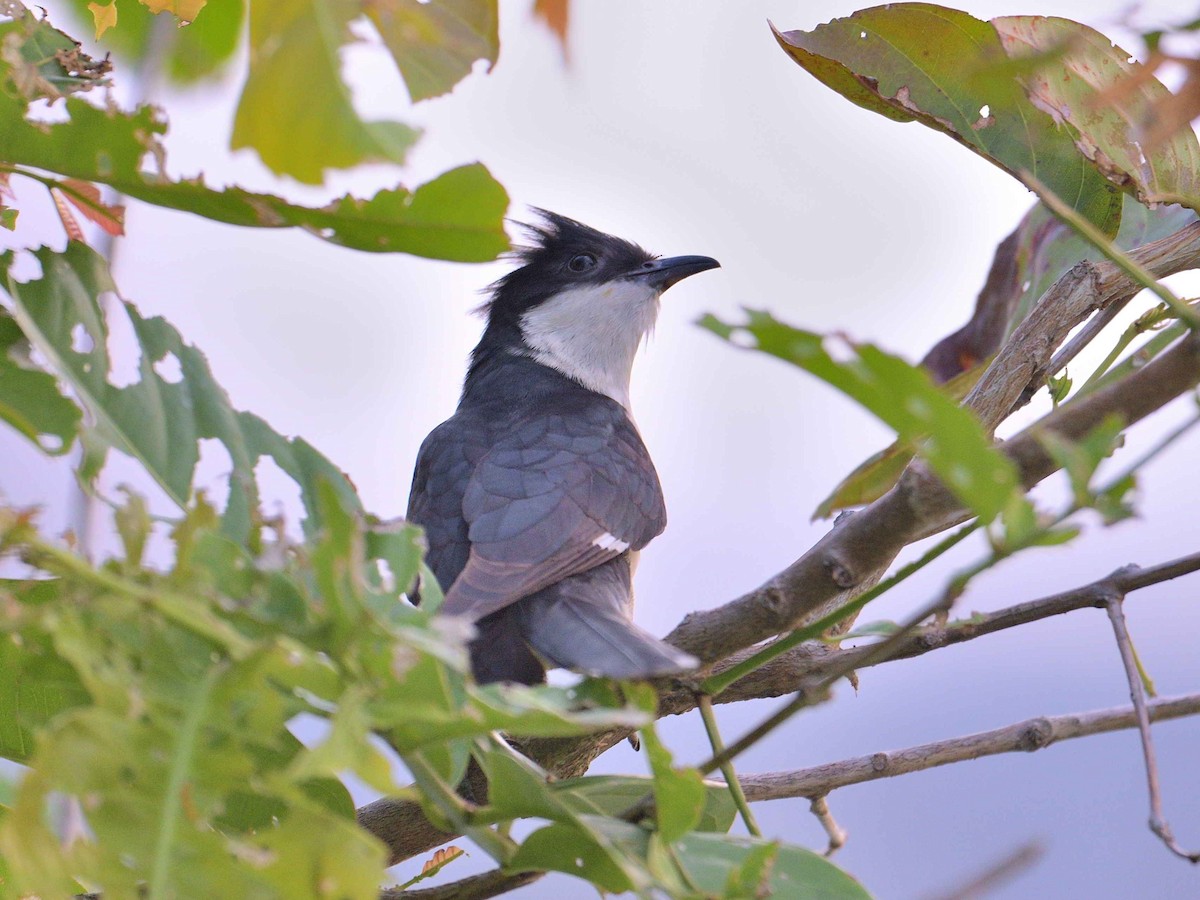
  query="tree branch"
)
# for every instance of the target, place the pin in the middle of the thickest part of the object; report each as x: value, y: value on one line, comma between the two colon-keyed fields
x: 862, y: 545
x: 1026, y: 736
x: 919, y: 505
x: 1137, y: 693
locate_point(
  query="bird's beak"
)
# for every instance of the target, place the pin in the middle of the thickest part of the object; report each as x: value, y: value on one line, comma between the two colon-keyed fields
x: 662, y: 273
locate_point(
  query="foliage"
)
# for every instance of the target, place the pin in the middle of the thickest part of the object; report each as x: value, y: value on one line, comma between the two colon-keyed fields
x: 162, y: 698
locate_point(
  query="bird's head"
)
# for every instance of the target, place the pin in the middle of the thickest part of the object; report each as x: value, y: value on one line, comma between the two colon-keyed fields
x: 582, y: 301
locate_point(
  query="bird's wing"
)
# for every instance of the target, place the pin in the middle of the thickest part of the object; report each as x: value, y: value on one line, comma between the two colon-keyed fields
x: 556, y: 495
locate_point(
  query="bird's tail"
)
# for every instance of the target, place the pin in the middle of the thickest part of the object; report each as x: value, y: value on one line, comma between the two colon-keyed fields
x: 581, y: 624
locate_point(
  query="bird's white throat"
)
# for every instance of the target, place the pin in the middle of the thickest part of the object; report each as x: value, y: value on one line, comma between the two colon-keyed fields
x: 592, y: 333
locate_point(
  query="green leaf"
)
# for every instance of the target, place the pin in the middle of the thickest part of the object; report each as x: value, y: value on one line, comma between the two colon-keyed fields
x: 679, y: 794
x: 42, y: 63
x: 295, y: 111
x: 36, y: 684
x: 30, y: 400
x: 727, y: 866
x: 611, y: 795
x: 458, y: 215
x: 607, y: 852
x: 1074, y: 82
x: 158, y: 422
x: 436, y: 44
x: 347, y: 748
x: 949, y: 437
x: 917, y: 62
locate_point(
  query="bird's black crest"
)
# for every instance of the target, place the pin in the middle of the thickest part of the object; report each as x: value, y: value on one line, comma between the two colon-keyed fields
x: 552, y: 243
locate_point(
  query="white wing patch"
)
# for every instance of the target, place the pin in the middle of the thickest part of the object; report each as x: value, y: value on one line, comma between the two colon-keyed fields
x: 608, y: 541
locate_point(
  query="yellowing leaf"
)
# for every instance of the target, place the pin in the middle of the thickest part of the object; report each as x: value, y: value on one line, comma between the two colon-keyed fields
x: 105, y: 16
x: 186, y: 10
x: 436, y: 44
x: 295, y: 111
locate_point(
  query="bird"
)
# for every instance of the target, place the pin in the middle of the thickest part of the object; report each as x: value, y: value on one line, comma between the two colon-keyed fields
x: 538, y: 494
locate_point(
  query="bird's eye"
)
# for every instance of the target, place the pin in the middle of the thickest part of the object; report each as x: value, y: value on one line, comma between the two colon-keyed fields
x: 582, y: 262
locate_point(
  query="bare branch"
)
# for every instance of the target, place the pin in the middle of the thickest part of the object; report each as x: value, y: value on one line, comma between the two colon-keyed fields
x: 403, y: 827
x: 1027, y: 736
x: 1158, y: 822
x: 997, y: 874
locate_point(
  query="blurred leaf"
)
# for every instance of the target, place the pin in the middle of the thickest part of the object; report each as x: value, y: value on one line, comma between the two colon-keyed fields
x: 295, y: 111
x: 557, y: 16
x: 42, y: 63
x: 30, y: 400
x: 458, y: 215
x: 435, y: 45
x: 949, y: 437
x: 85, y: 197
x: 104, y: 16
x: 611, y: 795
x: 1107, y: 128
x: 1059, y: 387
x: 36, y: 684
x: 200, y: 50
x: 8, y: 217
x: 679, y: 794
x: 874, y: 477
x: 185, y: 10
x: 917, y: 62
x: 1080, y: 459
x: 156, y: 421
x: 133, y: 524
x: 607, y: 852
x: 718, y: 863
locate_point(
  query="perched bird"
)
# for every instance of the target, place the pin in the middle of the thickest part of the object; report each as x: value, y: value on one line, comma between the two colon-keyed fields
x: 537, y: 495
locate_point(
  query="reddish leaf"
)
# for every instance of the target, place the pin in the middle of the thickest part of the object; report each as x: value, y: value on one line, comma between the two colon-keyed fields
x: 110, y: 218
x: 556, y: 14
x: 74, y: 232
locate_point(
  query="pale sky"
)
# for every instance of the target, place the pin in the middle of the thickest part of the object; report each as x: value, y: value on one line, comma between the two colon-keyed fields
x: 682, y: 126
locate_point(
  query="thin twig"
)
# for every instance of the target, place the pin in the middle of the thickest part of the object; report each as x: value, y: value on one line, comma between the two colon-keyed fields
x: 1158, y: 822
x: 997, y: 874
x: 808, y: 694
x: 1026, y: 736
x: 704, y: 702
x: 476, y: 887
x: 819, y: 807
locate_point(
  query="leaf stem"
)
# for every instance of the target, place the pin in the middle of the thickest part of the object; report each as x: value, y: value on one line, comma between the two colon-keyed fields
x: 181, y: 763
x: 731, y: 780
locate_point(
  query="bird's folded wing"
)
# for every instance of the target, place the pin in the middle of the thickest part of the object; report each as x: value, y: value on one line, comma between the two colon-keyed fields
x: 552, y: 499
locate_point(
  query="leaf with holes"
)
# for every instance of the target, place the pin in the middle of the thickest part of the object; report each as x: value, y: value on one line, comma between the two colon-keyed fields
x: 158, y: 422
x: 458, y: 215
x: 295, y: 111
x: 435, y: 45
x: 917, y: 62
x: 1074, y: 81
x: 30, y: 400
